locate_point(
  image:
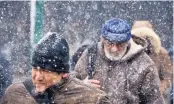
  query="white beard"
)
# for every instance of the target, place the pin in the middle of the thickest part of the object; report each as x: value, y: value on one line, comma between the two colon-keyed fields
x: 114, y: 56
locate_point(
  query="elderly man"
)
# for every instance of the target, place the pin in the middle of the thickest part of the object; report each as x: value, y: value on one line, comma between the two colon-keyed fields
x: 119, y: 66
x: 50, y: 83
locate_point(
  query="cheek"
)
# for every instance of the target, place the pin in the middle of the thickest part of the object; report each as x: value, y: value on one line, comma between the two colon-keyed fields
x: 108, y: 48
x: 120, y: 49
x: 49, y: 79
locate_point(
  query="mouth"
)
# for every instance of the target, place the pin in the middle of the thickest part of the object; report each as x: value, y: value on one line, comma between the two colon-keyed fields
x: 40, y: 88
x: 114, y: 53
x: 40, y: 84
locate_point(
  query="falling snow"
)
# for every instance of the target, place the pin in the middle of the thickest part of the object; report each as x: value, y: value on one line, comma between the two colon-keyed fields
x: 78, y: 21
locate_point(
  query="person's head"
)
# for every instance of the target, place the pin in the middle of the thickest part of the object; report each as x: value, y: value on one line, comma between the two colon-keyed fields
x: 50, y: 61
x: 144, y: 29
x: 142, y: 23
x: 115, y: 38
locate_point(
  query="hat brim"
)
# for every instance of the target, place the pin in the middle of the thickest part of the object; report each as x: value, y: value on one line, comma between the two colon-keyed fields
x: 117, y: 38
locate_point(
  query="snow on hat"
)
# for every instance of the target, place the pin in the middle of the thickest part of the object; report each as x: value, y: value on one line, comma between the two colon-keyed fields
x: 51, y: 53
x: 116, y: 30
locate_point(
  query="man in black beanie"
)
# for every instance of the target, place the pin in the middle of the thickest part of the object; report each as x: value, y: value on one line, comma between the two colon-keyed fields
x: 51, y: 83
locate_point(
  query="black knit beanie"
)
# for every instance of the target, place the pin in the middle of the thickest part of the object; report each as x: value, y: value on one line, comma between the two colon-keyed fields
x: 51, y: 53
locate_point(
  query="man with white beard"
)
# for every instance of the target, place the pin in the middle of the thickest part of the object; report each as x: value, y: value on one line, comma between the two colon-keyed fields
x: 114, y: 52
x: 119, y: 66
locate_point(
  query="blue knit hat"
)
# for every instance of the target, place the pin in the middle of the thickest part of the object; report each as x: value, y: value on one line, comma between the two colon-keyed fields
x: 116, y: 30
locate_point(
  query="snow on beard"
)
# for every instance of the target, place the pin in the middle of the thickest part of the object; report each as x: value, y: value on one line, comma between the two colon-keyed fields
x: 115, y: 56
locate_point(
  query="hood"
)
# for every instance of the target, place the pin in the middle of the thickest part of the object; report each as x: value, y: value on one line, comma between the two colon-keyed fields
x: 137, y: 45
x: 146, y: 32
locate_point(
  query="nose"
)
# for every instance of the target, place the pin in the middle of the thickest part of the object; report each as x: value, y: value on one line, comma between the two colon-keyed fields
x: 114, y: 48
x: 39, y: 75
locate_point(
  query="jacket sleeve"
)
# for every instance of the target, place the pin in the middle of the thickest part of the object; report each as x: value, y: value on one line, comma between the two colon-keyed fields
x: 150, y: 93
x: 80, y: 68
x: 165, y: 70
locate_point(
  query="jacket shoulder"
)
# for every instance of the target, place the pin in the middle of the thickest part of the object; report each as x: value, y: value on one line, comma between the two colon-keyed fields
x: 85, y: 93
x: 15, y: 87
x: 144, y: 59
x: 17, y: 94
x: 16, y: 90
x: 143, y: 63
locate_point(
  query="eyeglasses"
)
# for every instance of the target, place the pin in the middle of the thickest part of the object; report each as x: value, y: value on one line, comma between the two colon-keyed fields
x: 111, y: 44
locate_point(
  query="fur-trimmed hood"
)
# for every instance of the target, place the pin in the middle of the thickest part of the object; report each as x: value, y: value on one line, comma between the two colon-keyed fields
x: 146, y: 32
x: 137, y: 45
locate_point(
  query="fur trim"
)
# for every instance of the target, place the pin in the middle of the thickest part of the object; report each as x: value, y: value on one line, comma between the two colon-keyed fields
x: 134, y: 49
x: 147, y: 32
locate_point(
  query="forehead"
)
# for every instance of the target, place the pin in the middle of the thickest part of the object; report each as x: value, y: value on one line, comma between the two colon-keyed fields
x: 41, y: 69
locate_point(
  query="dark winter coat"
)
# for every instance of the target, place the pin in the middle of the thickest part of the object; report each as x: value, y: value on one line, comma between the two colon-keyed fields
x: 132, y: 80
x: 158, y: 54
x: 75, y: 57
x: 72, y: 91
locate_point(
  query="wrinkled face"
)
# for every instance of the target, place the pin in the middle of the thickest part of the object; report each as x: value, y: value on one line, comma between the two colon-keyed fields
x: 43, y: 79
x: 114, y: 51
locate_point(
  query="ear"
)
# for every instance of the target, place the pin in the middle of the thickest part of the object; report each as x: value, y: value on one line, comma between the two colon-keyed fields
x: 65, y: 75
